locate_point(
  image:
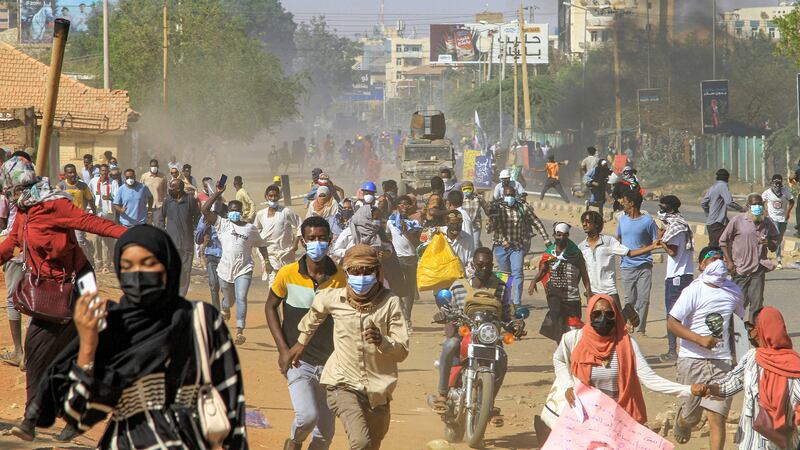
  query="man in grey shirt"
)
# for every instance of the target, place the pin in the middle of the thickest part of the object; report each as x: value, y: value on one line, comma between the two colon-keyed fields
x: 716, y: 203
x: 179, y: 214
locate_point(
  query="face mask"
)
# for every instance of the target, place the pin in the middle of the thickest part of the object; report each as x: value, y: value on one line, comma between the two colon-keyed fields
x: 130, y: 181
x: 483, y: 275
x: 376, y: 222
x: 448, y: 181
x: 369, y: 199
x: 112, y: 166
x: 562, y: 241
x: 346, y: 213
x: 757, y: 210
x: 661, y: 215
x: 316, y: 250
x: 753, y: 341
x: 467, y: 194
x: 142, y: 288
x: 603, y: 326
x: 777, y: 186
x: 505, y: 182
x: 510, y: 200
x: 454, y: 230
x: 361, y: 284
x: 174, y: 194
x: 272, y: 204
x: 234, y: 216
x: 153, y: 170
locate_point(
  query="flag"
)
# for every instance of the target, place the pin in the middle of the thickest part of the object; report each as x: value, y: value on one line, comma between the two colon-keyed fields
x: 480, y: 136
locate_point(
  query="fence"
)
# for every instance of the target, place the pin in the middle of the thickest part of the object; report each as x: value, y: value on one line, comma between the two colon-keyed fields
x: 556, y: 139
x: 743, y: 156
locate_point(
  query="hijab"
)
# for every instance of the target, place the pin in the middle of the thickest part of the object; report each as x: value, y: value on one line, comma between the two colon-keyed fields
x: 324, y: 207
x: 18, y: 172
x: 593, y: 349
x: 779, y: 361
x: 362, y: 228
x: 138, y: 340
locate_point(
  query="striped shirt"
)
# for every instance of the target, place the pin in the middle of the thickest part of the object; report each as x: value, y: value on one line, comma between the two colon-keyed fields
x: 607, y: 378
x: 744, y: 377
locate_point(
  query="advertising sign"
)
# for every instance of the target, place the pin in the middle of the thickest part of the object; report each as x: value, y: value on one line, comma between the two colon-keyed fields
x: 483, y: 172
x: 36, y: 18
x: 714, y: 105
x: 469, y: 164
x: 472, y: 43
x: 649, y: 108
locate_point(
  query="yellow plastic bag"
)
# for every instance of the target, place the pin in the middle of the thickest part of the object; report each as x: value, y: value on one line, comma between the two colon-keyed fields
x: 439, y: 266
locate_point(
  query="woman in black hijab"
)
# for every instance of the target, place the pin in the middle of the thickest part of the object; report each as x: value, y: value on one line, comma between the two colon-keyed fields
x: 142, y: 368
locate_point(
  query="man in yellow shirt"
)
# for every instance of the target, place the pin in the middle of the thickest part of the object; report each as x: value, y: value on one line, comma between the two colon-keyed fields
x: 248, y: 207
x: 83, y: 199
x: 156, y: 183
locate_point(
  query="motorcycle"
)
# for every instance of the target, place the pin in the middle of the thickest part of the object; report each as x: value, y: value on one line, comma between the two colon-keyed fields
x: 470, y: 398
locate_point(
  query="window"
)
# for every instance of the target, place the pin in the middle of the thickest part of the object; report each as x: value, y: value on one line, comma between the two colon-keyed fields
x: 593, y: 36
x: 398, y: 48
x: 605, y: 35
x: 772, y: 33
x: 83, y: 148
x: 399, y: 62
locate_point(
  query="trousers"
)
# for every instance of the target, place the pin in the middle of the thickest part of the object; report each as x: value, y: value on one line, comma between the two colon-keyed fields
x: 311, y: 413
x: 366, y: 426
x: 637, y: 282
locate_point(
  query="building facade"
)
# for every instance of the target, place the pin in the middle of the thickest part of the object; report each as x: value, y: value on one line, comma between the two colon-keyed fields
x: 406, y: 54
x: 753, y: 21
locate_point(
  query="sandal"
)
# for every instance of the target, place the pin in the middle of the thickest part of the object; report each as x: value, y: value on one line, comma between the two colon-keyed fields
x: 240, y: 339
x: 497, y: 418
x: 11, y: 358
x: 226, y: 314
x: 437, y: 403
x: 681, y: 433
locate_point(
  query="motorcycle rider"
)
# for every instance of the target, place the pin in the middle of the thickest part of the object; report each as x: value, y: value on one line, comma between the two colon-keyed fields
x: 481, y: 278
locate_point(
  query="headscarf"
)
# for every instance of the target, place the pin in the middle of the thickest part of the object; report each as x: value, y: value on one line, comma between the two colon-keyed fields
x: 341, y: 220
x: 361, y: 256
x: 717, y: 274
x: 323, y: 207
x: 138, y: 340
x: 362, y: 228
x: 779, y: 361
x: 19, y: 172
x: 629, y: 176
x: 676, y: 224
x: 593, y: 349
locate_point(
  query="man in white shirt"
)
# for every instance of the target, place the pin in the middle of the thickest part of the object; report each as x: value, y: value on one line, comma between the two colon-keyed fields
x: 455, y: 202
x: 103, y: 190
x: 461, y: 242
x: 701, y: 318
x: 405, y: 238
x: 599, y: 251
x: 676, y: 240
x: 279, y: 227
x: 778, y: 201
x: 505, y: 180
x: 590, y: 162
x: 235, y: 269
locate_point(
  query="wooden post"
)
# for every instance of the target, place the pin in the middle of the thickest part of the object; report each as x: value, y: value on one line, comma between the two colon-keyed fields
x: 165, y: 29
x: 516, y: 98
x: 60, y: 33
x: 617, y: 94
x: 526, y: 98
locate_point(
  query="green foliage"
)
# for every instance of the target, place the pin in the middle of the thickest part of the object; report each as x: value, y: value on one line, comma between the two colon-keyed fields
x: 222, y: 82
x: 663, y: 162
x: 268, y: 21
x: 789, y: 28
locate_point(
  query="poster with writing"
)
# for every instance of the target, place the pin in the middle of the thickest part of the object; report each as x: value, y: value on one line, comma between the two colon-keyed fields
x: 606, y: 426
x: 483, y: 172
x: 469, y: 164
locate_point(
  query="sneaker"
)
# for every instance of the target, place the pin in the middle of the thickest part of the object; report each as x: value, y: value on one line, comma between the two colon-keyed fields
x: 779, y: 266
x: 67, y: 434
x: 26, y: 430
x: 670, y: 356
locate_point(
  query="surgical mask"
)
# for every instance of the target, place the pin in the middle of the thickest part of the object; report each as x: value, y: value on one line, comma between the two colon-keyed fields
x: 447, y: 181
x: 661, y: 215
x: 510, y: 200
x: 272, y: 204
x: 376, y: 222
x: 130, y: 181
x: 468, y: 194
x: 369, y: 199
x: 346, y: 213
x: 153, y: 170
x: 482, y: 274
x: 603, y: 326
x: 142, y: 288
x: 234, y: 216
x: 316, y: 250
x: 757, y: 210
x: 361, y: 284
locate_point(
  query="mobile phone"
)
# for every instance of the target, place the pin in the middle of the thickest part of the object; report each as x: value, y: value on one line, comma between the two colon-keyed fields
x: 88, y: 283
x: 222, y: 180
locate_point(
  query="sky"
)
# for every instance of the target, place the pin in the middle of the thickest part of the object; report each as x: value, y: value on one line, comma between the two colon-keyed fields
x: 358, y: 16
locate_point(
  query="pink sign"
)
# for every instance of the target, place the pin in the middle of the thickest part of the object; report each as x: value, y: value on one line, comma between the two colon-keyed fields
x: 605, y: 426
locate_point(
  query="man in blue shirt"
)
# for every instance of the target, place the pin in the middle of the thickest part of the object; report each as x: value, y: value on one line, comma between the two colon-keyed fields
x: 133, y: 201
x: 716, y: 203
x: 212, y: 252
x: 636, y: 230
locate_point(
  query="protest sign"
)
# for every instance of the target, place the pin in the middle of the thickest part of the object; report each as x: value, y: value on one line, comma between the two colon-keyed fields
x: 606, y: 426
x: 469, y: 164
x: 483, y: 172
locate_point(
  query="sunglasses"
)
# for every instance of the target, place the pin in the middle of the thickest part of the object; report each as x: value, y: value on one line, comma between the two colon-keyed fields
x: 609, y: 314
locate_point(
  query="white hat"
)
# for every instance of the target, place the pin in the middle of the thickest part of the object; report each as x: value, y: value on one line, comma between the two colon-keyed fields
x: 562, y: 227
x: 505, y: 174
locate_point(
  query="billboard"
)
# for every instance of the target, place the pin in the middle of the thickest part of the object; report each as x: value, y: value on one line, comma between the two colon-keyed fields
x: 714, y: 105
x: 36, y: 18
x: 473, y: 43
x: 650, y: 110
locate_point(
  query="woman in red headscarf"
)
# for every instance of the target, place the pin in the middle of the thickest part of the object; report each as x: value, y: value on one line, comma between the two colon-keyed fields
x: 603, y: 355
x: 769, y: 375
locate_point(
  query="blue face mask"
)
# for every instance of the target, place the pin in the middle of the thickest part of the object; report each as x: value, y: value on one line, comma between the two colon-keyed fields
x: 234, y: 216
x: 510, y: 200
x: 361, y: 284
x: 757, y: 210
x: 316, y: 250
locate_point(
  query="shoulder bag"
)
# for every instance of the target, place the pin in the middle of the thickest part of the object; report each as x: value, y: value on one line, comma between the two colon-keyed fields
x: 43, y: 298
x: 764, y: 426
x: 212, y: 414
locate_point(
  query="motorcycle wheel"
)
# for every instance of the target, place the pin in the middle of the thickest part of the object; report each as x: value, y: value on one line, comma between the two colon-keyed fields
x: 454, y: 433
x: 478, y: 418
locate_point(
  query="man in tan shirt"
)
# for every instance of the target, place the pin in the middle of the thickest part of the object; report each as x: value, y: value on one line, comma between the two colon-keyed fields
x: 157, y: 184
x: 370, y: 337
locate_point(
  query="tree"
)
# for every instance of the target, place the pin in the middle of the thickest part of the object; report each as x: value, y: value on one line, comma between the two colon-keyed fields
x: 222, y: 82
x: 269, y: 22
x: 326, y: 60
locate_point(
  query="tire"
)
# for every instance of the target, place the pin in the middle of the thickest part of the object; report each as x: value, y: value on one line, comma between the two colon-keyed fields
x: 454, y: 433
x: 476, y: 421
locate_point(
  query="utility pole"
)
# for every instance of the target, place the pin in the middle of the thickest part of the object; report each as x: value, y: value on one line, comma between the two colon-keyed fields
x: 500, y: 87
x: 617, y: 98
x: 516, y: 95
x: 166, y: 55
x: 648, y: 43
x: 60, y: 34
x: 106, y: 79
x: 526, y: 107
x: 714, y: 42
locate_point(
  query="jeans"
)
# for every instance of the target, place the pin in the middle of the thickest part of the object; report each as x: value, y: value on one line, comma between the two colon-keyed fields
x: 187, y: 257
x: 104, y: 252
x: 213, y: 279
x: 85, y: 245
x: 237, y: 290
x: 671, y: 293
x: 451, y: 347
x: 637, y: 282
x: 781, y: 231
x: 13, y: 272
x: 476, y: 236
x: 553, y: 183
x: 408, y: 264
x: 752, y: 289
x: 311, y: 413
x: 511, y: 260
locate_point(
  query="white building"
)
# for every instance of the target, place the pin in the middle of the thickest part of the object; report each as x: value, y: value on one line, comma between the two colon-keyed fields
x: 752, y: 21
x: 407, y: 53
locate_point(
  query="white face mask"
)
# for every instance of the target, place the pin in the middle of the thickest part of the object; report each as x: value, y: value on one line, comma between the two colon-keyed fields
x: 130, y: 181
x: 369, y: 199
x: 154, y: 170
x: 272, y: 204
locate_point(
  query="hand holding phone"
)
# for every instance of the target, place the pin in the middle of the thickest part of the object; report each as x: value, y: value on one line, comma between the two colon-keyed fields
x: 223, y: 179
x: 88, y: 283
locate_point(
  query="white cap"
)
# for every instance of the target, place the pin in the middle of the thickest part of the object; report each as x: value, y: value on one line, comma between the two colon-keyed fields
x: 505, y: 174
x: 562, y: 227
